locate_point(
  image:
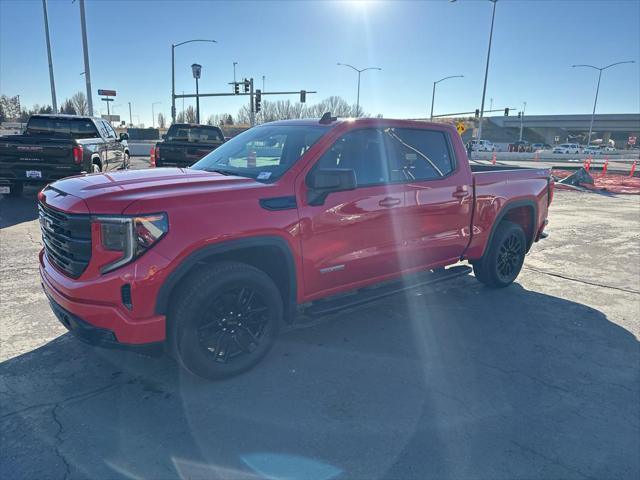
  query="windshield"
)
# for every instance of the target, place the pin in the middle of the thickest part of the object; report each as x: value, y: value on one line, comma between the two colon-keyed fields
x: 188, y: 133
x: 74, y: 127
x: 263, y: 153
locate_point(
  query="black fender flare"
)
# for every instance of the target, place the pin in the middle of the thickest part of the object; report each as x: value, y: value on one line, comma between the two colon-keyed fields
x: 510, y: 206
x: 198, y: 256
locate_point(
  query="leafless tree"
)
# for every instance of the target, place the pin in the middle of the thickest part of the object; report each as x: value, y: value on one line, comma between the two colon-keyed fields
x: 190, y: 114
x: 80, y: 105
x: 162, y: 122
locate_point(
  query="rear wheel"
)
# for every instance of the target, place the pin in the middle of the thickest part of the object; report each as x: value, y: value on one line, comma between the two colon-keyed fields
x: 96, y: 168
x: 126, y: 162
x: 225, y: 320
x: 504, y: 258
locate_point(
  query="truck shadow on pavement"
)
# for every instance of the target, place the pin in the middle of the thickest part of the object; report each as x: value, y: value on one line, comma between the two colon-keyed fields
x: 453, y: 382
x: 15, y: 210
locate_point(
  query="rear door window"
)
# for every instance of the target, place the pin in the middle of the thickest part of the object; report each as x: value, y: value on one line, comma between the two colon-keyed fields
x: 418, y: 154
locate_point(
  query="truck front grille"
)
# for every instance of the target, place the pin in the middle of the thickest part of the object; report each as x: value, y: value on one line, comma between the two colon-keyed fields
x: 67, y: 239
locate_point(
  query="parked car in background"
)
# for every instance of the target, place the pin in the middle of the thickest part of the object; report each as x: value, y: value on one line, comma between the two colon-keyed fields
x: 536, y: 147
x: 186, y: 143
x: 291, y: 217
x: 58, y: 146
x: 567, y: 148
x: 482, y: 146
x: 592, y: 150
x: 520, y: 146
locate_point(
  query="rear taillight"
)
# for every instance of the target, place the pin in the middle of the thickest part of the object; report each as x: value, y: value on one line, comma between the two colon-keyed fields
x: 152, y: 159
x: 77, y: 154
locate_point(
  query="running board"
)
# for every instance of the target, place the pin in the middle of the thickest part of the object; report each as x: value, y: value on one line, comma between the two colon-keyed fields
x: 369, y: 294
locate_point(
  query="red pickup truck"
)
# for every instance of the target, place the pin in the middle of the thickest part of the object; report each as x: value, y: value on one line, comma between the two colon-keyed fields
x: 280, y: 221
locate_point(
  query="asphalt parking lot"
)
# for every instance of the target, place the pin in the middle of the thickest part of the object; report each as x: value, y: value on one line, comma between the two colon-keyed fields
x: 539, y: 380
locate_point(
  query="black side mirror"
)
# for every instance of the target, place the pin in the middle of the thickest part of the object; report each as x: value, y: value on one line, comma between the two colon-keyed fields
x: 124, y: 136
x: 324, y: 181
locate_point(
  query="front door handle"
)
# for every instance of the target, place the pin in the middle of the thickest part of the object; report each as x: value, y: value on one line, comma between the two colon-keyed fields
x: 461, y: 192
x: 389, y: 202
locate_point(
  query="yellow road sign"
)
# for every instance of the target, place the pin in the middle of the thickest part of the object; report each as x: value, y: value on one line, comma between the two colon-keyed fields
x: 460, y: 127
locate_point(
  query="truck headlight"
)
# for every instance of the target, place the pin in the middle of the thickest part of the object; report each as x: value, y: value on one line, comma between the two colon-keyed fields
x: 130, y: 235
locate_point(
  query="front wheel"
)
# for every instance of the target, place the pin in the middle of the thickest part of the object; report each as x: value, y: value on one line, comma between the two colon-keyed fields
x: 225, y: 320
x: 504, y: 257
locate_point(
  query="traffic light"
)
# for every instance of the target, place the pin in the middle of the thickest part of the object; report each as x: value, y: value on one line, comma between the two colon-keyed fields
x: 236, y: 88
x: 258, y: 100
x: 303, y: 96
x: 477, y: 112
x: 506, y: 112
x: 247, y: 84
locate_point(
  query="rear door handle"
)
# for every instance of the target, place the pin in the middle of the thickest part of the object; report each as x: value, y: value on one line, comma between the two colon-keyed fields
x: 461, y: 192
x: 389, y: 202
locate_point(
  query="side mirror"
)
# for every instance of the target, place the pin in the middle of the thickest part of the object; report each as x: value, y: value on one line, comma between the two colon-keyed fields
x: 124, y: 136
x: 324, y: 181
x: 164, y: 136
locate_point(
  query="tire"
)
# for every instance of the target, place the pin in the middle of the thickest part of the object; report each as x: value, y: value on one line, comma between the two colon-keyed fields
x: 503, y: 260
x: 126, y: 161
x: 96, y: 168
x: 16, y: 189
x: 206, y: 333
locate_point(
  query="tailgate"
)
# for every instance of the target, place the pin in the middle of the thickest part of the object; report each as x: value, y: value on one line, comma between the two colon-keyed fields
x: 183, y: 153
x: 30, y: 158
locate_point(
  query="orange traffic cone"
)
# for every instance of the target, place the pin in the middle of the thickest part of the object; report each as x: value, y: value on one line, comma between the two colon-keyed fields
x: 493, y: 160
x: 604, y: 168
x: 633, y: 168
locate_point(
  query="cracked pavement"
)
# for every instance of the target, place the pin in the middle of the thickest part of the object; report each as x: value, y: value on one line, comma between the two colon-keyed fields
x: 539, y: 380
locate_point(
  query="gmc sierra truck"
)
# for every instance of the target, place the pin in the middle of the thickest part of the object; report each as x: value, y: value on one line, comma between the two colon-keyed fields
x: 280, y: 221
x: 58, y: 146
x: 184, y: 144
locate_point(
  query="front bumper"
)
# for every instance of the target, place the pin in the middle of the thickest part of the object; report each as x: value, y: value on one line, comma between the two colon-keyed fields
x: 101, y: 337
x: 95, y: 304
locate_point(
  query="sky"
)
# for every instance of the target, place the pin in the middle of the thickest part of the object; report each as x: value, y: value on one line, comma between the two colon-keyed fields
x: 296, y: 45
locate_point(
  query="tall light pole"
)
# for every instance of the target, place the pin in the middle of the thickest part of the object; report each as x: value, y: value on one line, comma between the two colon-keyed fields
x: 54, y: 104
x: 234, y: 71
x: 130, y: 118
x: 153, y: 114
x: 433, y: 94
x: 595, y: 102
x: 197, y: 70
x: 359, y: 70
x: 263, y: 77
x: 173, y: 73
x: 85, y: 48
x: 486, y: 70
x: 524, y: 107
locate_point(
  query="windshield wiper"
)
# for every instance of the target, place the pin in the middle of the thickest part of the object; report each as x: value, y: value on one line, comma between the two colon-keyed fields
x: 220, y: 171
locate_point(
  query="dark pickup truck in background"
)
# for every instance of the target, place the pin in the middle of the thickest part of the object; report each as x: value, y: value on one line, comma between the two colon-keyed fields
x: 185, y: 144
x: 58, y: 146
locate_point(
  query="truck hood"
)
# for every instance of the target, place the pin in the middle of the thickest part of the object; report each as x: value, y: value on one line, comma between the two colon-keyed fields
x: 112, y: 193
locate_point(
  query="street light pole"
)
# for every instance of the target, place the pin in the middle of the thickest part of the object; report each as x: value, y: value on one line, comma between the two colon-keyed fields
x: 522, y: 119
x: 359, y: 70
x: 595, y: 102
x: 486, y: 70
x: 54, y: 104
x: 234, y: 71
x: 130, y: 119
x: 433, y: 94
x: 173, y: 73
x: 197, y: 71
x: 85, y: 48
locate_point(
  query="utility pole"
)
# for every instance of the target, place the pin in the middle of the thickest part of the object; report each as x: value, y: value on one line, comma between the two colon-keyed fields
x: 54, y: 104
x: 234, y: 71
x: 130, y: 117
x: 85, y: 48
